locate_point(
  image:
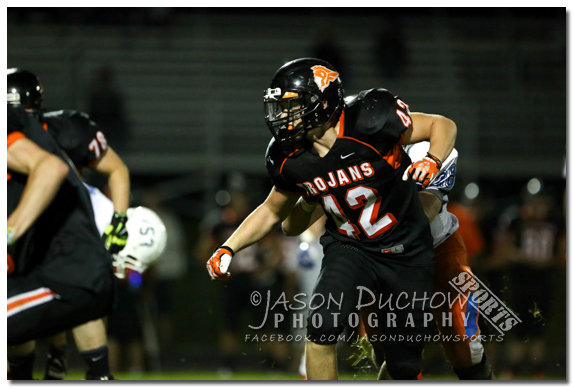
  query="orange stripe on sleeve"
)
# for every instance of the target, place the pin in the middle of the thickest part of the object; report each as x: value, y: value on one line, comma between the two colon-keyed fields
x: 13, y: 137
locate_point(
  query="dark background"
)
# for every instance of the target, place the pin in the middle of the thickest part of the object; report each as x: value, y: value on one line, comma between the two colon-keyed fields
x: 190, y: 82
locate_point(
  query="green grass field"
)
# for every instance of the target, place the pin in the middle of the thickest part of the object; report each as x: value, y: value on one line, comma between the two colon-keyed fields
x: 208, y: 376
x: 213, y: 376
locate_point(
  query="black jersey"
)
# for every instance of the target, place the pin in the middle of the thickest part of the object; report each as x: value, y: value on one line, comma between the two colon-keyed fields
x: 81, y: 138
x: 359, y: 181
x: 63, y: 244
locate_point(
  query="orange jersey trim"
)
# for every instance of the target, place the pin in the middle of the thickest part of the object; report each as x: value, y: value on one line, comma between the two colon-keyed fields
x: 363, y: 143
x: 341, y: 134
x: 394, y: 156
x: 13, y: 137
x: 284, y: 160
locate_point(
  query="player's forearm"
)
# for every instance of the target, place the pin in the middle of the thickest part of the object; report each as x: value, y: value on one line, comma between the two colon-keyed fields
x: 119, y: 182
x: 256, y: 226
x: 44, y: 181
x: 431, y: 204
x: 442, y: 137
x: 112, y: 165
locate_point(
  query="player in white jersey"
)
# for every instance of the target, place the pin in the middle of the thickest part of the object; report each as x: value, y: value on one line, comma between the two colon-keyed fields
x: 309, y: 257
x: 444, y: 223
x: 103, y: 207
x: 142, y: 251
x: 464, y: 351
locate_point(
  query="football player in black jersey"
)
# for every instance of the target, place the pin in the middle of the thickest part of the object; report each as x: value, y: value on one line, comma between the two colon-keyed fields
x: 347, y: 158
x: 464, y: 348
x: 84, y: 142
x: 59, y: 273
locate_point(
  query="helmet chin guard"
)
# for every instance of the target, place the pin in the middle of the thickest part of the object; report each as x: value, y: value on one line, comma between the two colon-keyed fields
x: 147, y: 238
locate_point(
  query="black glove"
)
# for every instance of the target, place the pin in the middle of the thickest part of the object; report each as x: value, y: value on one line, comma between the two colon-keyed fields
x: 116, y: 234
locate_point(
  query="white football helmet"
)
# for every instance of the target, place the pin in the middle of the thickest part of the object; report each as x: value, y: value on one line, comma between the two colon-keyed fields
x: 146, y: 241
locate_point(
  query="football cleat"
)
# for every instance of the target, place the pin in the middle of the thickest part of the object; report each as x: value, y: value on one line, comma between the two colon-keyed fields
x: 55, y: 368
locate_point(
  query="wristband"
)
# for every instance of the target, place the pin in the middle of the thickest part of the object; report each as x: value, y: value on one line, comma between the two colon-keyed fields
x: 437, y: 160
x: 225, y: 247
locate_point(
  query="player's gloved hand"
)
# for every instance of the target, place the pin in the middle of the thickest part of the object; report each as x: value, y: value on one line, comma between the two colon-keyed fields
x: 218, y: 264
x: 10, y: 264
x: 11, y: 239
x: 116, y: 233
x: 424, y: 170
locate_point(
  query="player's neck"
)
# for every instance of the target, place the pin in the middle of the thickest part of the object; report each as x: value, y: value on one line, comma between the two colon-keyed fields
x: 324, y: 138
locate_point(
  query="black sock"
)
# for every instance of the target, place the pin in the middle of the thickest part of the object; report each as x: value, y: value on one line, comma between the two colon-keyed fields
x: 21, y: 367
x: 97, y: 361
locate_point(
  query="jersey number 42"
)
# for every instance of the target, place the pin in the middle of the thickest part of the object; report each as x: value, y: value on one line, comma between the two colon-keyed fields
x: 369, y: 221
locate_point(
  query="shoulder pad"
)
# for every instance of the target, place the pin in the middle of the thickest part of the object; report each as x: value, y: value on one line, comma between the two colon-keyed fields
x: 369, y: 110
x: 73, y: 131
x: 79, y: 119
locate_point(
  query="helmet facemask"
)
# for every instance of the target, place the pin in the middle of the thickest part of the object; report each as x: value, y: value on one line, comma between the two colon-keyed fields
x: 304, y: 94
x: 282, y: 114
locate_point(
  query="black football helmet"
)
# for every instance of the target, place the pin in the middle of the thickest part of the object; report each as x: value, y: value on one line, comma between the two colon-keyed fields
x: 309, y: 89
x: 25, y: 89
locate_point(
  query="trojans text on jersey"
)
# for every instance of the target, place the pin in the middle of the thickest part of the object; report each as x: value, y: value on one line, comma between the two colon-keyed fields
x: 340, y: 177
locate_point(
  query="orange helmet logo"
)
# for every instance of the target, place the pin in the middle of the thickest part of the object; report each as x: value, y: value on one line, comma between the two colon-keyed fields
x: 323, y: 76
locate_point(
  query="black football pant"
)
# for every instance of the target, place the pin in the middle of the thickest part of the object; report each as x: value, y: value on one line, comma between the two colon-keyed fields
x: 347, y: 274
x: 37, y: 309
